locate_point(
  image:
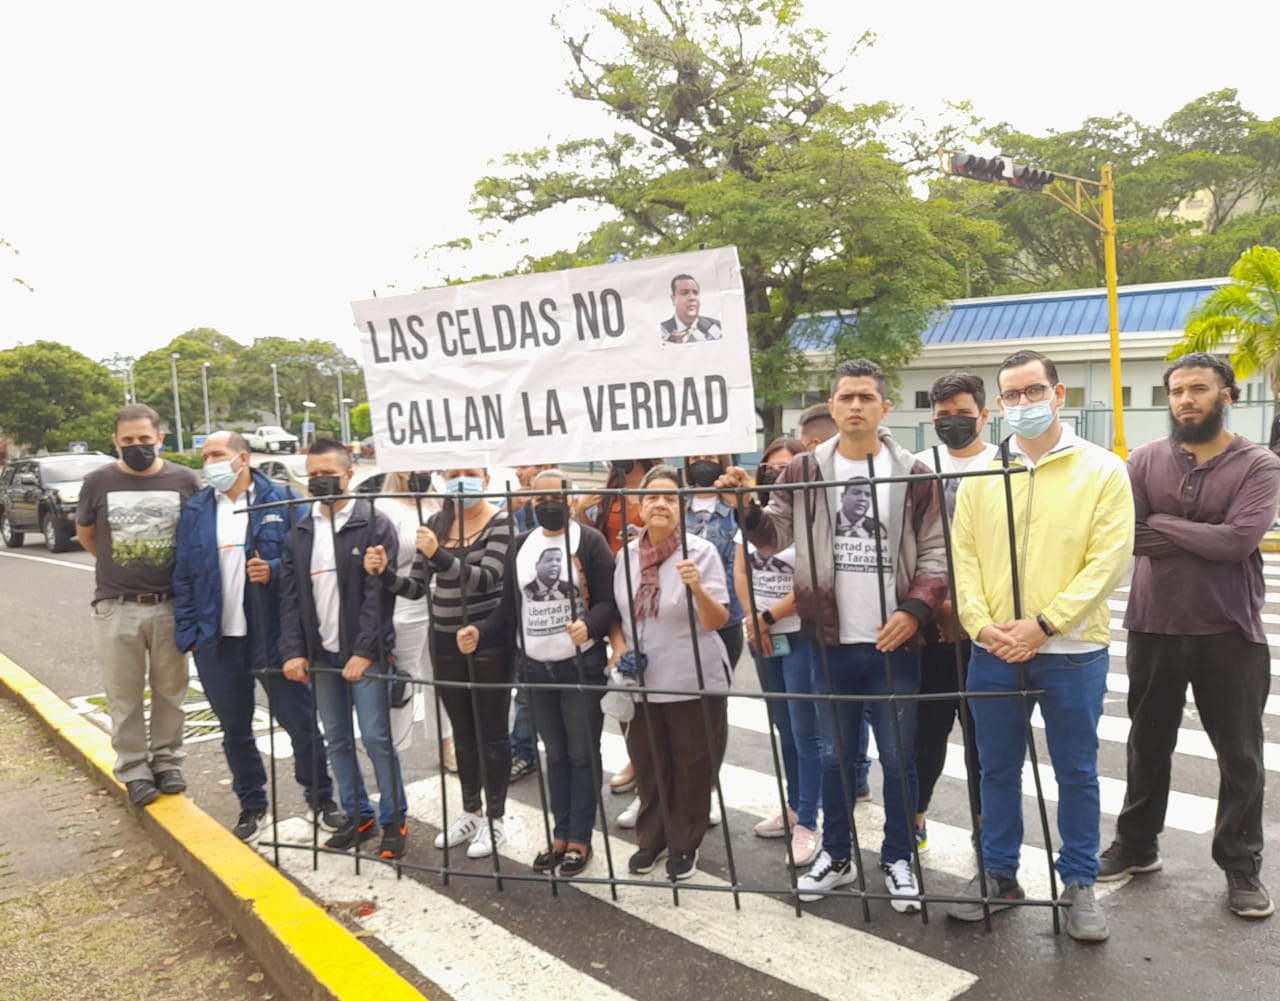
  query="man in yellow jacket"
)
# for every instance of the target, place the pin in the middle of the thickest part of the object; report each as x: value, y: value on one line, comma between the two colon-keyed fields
x: 1073, y: 526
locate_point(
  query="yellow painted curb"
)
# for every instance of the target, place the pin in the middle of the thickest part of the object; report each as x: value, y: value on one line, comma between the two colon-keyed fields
x: 1270, y: 543
x: 310, y: 956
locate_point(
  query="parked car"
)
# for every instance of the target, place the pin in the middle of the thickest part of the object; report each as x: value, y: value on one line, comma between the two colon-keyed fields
x: 271, y: 438
x: 289, y: 470
x: 39, y: 494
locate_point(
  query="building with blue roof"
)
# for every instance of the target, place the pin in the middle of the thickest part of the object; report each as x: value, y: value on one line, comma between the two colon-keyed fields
x: 1070, y: 327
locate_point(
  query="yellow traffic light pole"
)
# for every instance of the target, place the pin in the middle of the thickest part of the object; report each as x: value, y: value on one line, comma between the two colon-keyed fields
x: 1073, y: 194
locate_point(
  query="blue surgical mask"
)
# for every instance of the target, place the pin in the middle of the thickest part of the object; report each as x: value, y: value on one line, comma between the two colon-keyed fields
x: 1030, y: 420
x: 221, y: 476
x: 467, y: 487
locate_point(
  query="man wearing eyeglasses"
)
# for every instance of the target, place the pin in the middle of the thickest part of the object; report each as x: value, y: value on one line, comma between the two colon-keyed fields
x: 1073, y: 528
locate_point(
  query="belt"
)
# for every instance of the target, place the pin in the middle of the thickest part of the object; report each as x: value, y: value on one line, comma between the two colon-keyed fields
x: 149, y: 598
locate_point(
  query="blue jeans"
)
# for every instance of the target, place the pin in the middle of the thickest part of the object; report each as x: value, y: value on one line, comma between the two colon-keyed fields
x: 797, y: 723
x: 334, y: 698
x: 569, y: 723
x: 227, y: 679
x: 1074, y: 686
x: 522, y: 746
x: 859, y: 669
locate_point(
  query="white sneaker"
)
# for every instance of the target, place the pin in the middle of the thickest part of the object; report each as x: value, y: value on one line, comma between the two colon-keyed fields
x: 900, y: 880
x: 825, y: 875
x: 484, y: 843
x: 713, y: 814
x: 462, y: 829
x: 628, y: 817
x: 805, y: 845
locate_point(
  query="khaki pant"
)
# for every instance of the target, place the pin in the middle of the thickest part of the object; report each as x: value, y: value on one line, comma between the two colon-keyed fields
x: 130, y: 635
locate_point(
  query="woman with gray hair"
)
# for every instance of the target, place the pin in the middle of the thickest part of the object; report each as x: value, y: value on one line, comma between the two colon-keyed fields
x: 673, y: 736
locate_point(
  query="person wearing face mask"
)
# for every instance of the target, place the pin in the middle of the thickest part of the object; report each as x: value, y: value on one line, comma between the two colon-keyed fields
x: 1073, y: 522
x: 557, y: 606
x: 333, y: 616
x: 226, y: 586
x: 127, y: 519
x: 960, y: 414
x: 463, y: 555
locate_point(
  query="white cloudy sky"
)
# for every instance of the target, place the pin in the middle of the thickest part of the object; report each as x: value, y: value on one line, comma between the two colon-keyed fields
x: 255, y: 166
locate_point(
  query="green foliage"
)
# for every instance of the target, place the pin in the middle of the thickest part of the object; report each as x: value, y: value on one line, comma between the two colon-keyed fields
x: 1245, y: 315
x: 192, y: 460
x: 361, y: 422
x: 1212, y: 151
x: 51, y: 395
x: 729, y: 132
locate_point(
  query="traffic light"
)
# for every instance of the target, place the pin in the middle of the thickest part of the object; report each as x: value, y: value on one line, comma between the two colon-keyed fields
x: 999, y: 170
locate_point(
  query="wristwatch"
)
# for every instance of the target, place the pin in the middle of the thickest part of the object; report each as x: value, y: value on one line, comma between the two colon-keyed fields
x: 768, y: 618
x: 1045, y: 626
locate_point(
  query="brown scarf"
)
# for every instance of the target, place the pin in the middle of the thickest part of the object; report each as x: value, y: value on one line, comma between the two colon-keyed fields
x: 649, y: 594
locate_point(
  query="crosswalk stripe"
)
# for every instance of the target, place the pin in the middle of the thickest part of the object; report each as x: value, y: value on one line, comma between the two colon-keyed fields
x: 755, y: 793
x: 763, y: 936
x: 466, y: 954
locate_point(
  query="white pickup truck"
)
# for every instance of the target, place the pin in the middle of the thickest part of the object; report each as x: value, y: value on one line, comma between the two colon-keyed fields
x: 271, y: 438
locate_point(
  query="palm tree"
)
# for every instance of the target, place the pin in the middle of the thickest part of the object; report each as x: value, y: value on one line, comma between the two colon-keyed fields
x: 1245, y: 314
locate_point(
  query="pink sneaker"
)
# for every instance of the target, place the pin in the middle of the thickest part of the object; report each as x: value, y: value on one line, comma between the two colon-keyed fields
x: 774, y: 827
x: 805, y: 845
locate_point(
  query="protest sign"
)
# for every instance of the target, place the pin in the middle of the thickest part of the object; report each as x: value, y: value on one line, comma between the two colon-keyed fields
x: 615, y: 361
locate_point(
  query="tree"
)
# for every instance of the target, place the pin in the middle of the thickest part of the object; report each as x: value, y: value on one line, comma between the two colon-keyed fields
x: 153, y: 378
x: 51, y: 395
x: 1244, y: 314
x: 361, y: 421
x: 1191, y: 195
x: 729, y: 132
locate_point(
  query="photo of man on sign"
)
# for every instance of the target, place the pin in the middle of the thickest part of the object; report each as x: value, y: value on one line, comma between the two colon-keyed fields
x: 687, y: 326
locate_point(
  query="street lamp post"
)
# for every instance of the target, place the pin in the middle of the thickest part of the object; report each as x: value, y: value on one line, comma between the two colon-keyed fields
x: 307, y: 407
x: 346, y: 419
x: 177, y: 402
x: 275, y: 385
x: 204, y: 381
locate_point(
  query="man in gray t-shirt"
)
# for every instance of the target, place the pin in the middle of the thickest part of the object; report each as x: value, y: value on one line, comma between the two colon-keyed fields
x: 127, y: 519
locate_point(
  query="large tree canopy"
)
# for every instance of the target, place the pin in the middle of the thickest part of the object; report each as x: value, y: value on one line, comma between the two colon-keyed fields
x: 730, y: 131
x: 51, y: 395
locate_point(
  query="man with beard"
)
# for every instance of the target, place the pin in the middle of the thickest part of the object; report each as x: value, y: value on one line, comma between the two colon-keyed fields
x: 1204, y: 498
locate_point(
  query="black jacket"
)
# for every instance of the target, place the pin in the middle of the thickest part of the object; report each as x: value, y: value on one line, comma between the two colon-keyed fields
x: 362, y: 599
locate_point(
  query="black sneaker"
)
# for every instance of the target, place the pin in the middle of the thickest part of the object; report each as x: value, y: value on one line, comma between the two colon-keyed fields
x: 682, y: 865
x: 352, y: 833
x: 644, y: 862
x: 394, y: 837
x: 1246, y: 896
x: 1003, y: 890
x: 250, y: 825
x: 328, y: 815
x: 1118, y: 861
x: 170, y: 782
x: 142, y: 792
x: 520, y: 767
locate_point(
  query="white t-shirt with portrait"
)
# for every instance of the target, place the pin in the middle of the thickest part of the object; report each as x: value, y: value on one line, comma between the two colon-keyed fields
x: 772, y: 579
x: 863, y: 556
x: 957, y: 464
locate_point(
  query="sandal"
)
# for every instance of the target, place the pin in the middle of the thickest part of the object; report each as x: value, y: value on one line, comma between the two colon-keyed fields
x: 548, y: 859
x: 575, y: 860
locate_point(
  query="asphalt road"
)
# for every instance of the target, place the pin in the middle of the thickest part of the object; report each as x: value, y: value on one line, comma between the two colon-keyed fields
x: 1172, y: 936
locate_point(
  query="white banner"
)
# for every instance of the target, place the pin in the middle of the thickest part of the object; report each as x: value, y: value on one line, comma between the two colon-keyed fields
x: 616, y: 361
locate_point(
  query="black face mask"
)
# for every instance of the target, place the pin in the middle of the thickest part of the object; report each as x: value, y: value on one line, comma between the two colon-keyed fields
x: 704, y: 472
x: 552, y: 514
x: 624, y: 466
x: 419, y: 483
x: 325, y: 486
x: 139, y: 458
x: 956, y: 431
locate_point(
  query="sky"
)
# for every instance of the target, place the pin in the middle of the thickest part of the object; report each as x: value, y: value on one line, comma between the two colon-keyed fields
x: 255, y: 167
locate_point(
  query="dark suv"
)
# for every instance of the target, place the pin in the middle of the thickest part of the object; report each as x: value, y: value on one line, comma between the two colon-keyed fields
x: 40, y: 493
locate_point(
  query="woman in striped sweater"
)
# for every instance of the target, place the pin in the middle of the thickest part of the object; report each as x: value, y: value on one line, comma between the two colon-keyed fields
x: 461, y: 559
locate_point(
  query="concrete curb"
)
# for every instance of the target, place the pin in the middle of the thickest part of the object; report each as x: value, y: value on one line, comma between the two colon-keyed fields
x: 309, y: 955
